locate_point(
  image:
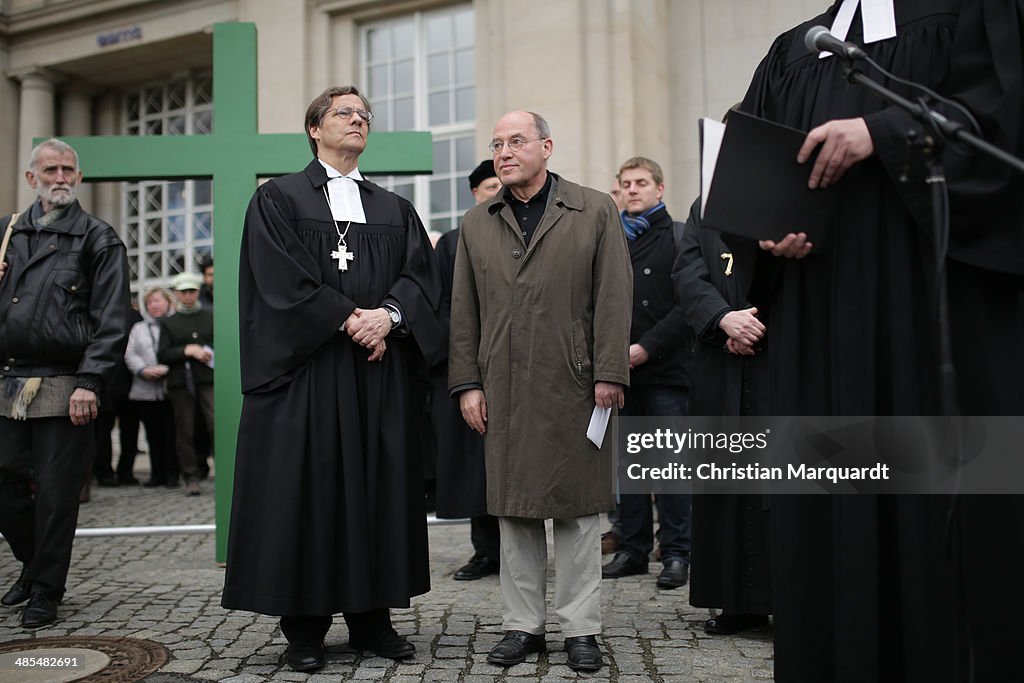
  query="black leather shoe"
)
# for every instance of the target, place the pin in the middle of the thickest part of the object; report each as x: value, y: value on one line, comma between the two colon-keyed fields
x: 584, y: 654
x: 477, y: 568
x: 675, y: 574
x: 17, y: 594
x: 306, y: 656
x: 107, y: 480
x: 40, y: 611
x: 728, y: 624
x: 622, y: 565
x: 513, y: 648
x: 153, y: 483
x: 388, y: 644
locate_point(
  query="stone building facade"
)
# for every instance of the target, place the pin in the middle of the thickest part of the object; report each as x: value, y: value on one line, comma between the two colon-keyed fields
x: 615, y: 78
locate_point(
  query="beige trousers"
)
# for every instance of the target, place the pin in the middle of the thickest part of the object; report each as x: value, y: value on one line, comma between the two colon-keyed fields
x: 524, y: 562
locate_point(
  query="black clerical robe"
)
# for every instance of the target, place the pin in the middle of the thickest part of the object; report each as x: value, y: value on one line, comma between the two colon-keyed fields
x: 730, y: 558
x: 461, y: 477
x: 328, y: 509
x: 868, y: 587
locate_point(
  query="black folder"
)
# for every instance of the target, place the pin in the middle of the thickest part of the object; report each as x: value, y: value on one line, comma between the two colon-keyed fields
x: 759, y: 190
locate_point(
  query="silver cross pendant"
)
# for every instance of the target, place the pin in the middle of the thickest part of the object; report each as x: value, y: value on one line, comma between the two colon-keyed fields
x: 344, y: 256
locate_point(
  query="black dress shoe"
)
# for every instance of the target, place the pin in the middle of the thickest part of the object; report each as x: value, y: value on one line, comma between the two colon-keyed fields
x: 127, y: 480
x: 675, y: 574
x: 728, y: 624
x: 40, y: 611
x: 107, y: 480
x: 477, y: 568
x: 306, y: 656
x: 17, y: 594
x: 388, y: 645
x: 513, y: 648
x: 153, y: 483
x: 584, y: 654
x: 622, y: 565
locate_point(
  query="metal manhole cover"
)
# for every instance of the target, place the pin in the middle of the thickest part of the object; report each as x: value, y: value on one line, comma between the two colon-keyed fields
x: 85, y: 659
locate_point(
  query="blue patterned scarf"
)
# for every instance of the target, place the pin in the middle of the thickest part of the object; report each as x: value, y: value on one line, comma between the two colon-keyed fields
x: 638, y: 225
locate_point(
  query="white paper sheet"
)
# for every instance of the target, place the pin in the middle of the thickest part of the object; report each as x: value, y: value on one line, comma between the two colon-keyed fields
x: 598, y: 425
x: 714, y: 131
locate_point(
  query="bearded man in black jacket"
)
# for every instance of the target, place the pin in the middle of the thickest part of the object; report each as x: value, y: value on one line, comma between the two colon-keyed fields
x: 63, y: 329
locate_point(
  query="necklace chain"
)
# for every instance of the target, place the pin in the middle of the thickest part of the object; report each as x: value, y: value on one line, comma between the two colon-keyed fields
x: 342, y: 254
x: 337, y: 223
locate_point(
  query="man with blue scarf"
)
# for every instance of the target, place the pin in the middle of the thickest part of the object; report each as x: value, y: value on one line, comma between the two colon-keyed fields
x: 659, y: 357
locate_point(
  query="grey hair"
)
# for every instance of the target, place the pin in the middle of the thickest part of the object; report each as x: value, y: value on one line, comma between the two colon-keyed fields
x: 543, y: 129
x: 56, y: 145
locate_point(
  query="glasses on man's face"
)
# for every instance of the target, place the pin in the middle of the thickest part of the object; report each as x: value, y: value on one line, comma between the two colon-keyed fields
x: 514, y: 145
x: 346, y: 113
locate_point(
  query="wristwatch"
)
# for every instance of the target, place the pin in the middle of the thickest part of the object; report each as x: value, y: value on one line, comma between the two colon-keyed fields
x: 396, y: 317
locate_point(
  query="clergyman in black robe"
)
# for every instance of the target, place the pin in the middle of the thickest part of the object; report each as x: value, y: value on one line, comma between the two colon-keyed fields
x: 731, y: 569
x: 869, y: 587
x: 461, y: 475
x: 328, y: 508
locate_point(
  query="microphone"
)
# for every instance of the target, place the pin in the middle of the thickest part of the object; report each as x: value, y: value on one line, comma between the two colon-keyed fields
x: 820, y: 39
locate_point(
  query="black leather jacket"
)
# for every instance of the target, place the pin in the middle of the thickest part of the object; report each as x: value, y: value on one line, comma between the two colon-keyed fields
x: 64, y: 307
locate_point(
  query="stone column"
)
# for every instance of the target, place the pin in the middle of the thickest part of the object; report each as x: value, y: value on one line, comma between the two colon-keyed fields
x: 10, y: 177
x: 106, y: 196
x: 76, y: 119
x: 35, y: 119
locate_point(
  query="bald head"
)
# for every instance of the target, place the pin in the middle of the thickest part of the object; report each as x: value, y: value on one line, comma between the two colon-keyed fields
x: 522, y: 145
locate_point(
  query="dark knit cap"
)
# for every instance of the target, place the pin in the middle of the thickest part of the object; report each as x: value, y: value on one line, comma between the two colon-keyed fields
x: 481, y: 173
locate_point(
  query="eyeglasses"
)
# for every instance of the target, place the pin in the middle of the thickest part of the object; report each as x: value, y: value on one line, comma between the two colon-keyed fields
x: 514, y: 145
x: 346, y: 113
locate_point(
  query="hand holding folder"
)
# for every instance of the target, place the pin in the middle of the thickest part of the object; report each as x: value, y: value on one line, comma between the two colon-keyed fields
x: 752, y: 185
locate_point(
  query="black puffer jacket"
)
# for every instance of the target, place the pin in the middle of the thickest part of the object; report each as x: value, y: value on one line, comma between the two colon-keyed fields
x: 64, y: 307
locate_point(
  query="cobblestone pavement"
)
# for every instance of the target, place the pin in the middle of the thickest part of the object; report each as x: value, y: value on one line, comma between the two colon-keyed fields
x: 167, y: 589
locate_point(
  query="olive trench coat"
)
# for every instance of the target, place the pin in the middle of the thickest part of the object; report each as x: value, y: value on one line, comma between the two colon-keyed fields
x: 536, y: 327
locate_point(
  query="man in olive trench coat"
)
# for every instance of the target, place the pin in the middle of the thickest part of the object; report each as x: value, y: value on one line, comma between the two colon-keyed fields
x: 541, y: 304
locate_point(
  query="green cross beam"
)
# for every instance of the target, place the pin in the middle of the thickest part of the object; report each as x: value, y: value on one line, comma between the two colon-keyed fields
x: 234, y: 156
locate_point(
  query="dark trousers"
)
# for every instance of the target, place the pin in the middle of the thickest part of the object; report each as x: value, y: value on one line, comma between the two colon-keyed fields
x: 201, y: 443
x: 127, y: 416
x: 312, y: 629
x: 41, y: 529
x: 636, y: 517
x: 158, y: 417
x: 483, y: 531
x: 184, y: 420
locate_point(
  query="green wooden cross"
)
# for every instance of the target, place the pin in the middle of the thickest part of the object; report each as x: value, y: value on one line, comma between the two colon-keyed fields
x: 234, y: 156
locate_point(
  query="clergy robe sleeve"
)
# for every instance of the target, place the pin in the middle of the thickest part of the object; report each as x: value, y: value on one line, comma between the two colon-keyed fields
x: 705, y: 305
x: 418, y: 290
x: 285, y: 311
x: 464, y: 342
x: 987, y: 76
